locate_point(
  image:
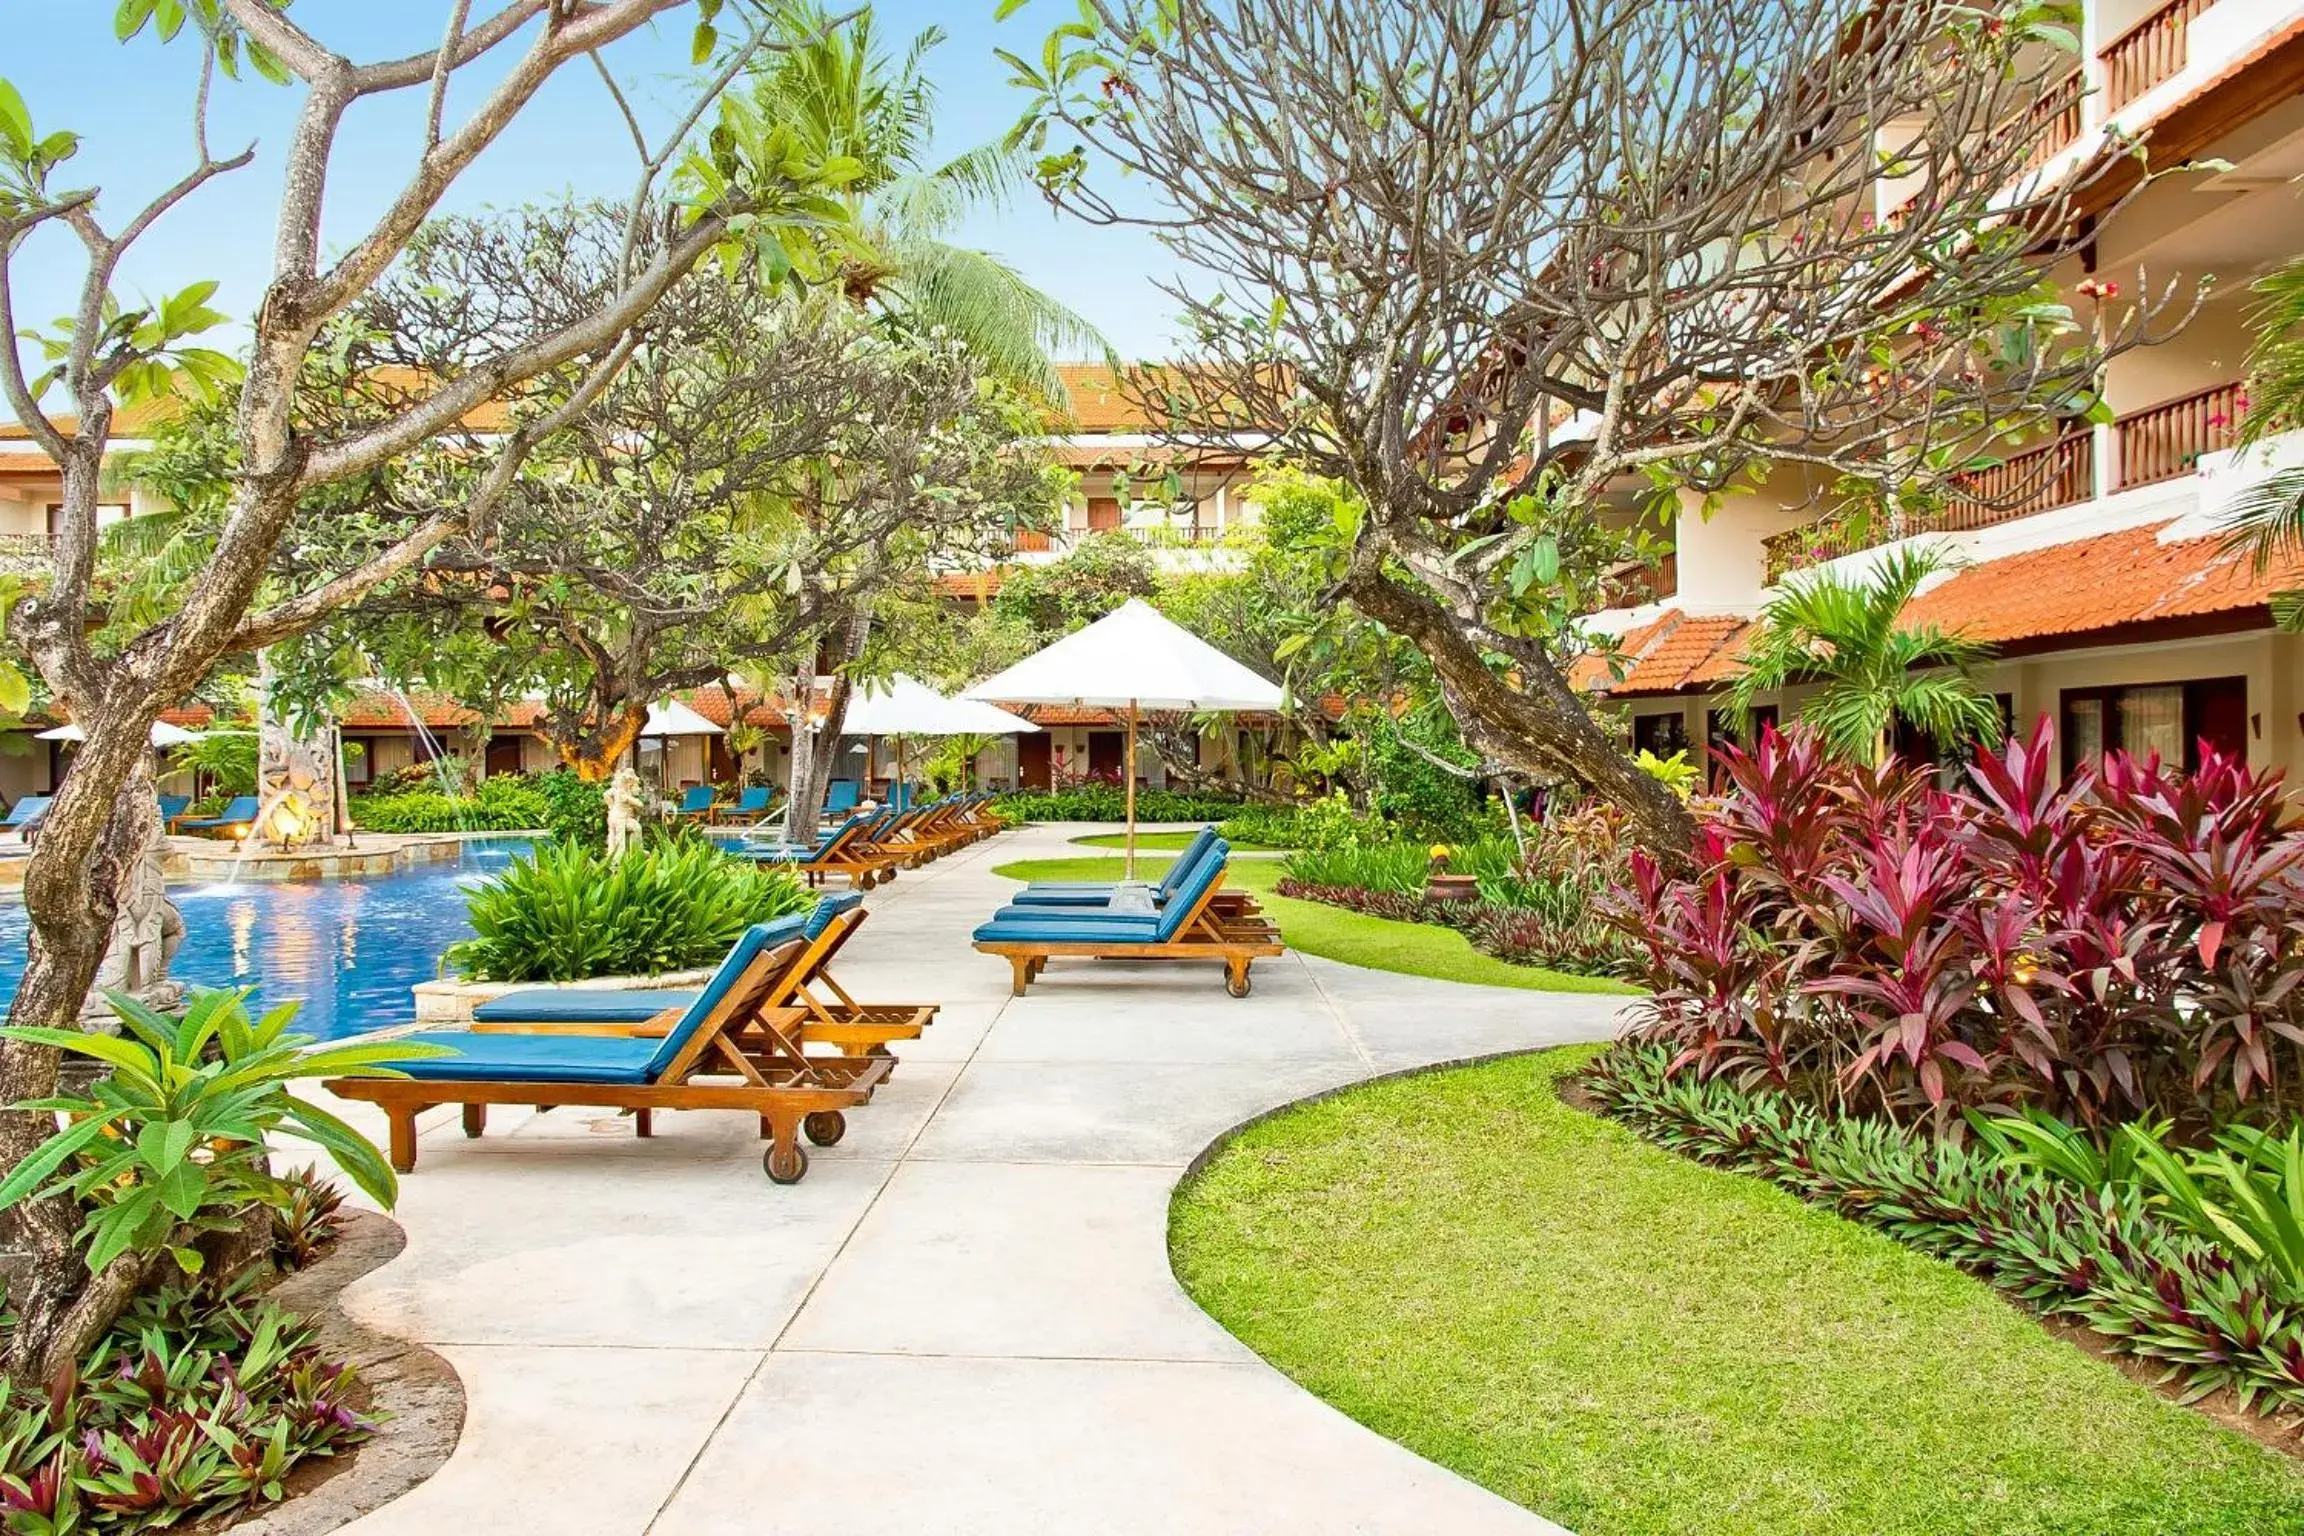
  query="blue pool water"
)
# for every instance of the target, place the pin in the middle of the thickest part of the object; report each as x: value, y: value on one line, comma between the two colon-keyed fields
x: 348, y: 949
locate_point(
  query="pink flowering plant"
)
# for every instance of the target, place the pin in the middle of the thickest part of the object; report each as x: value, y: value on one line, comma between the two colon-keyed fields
x: 2121, y: 941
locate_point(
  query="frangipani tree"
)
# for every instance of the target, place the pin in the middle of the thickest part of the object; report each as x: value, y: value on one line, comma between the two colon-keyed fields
x: 1867, y: 669
x: 111, y: 353
x: 1510, y: 272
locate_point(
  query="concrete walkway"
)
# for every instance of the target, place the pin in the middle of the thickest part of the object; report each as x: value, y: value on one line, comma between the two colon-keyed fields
x: 963, y: 1320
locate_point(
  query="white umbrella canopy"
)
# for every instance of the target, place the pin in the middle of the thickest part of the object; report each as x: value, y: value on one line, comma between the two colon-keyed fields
x: 1132, y: 655
x: 163, y: 734
x: 1135, y: 659
x: 903, y: 707
x: 673, y: 718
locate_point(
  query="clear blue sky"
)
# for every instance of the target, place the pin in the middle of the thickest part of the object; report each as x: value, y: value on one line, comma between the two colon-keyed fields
x: 132, y: 104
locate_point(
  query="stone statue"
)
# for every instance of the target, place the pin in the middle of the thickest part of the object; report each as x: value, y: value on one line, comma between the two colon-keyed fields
x: 624, y: 796
x: 148, y: 930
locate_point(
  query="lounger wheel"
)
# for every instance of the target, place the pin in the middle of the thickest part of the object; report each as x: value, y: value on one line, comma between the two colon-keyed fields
x: 1239, y: 985
x: 824, y: 1127
x: 785, y: 1165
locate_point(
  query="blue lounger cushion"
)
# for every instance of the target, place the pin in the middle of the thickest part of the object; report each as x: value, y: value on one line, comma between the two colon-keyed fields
x: 532, y: 1058
x: 1096, y: 893
x: 515, y: 1007
x: 579, y: 1005
x: 1010, y: 926
x: 1025, y: 925
x: 828, y: 908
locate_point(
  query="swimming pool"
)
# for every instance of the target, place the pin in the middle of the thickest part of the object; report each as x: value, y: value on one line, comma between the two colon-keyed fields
x: 349, y: 949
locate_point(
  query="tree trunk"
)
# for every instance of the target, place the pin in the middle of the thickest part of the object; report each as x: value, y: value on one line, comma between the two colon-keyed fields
x: 816, y: 749
x: 96, y: 833
x: 595, y: 752
x: 1539, y: 727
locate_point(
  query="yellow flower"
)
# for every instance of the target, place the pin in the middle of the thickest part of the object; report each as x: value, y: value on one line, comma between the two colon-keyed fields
x: 1439, y: 850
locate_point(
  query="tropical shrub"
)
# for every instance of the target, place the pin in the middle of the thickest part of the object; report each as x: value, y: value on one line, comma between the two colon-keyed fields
x: 1096, y: 801
x: 504, y: 803
x: 2124, y: 941
x: 575, y: 810
x: 1327, y: 822
x: 227, y: 757
x: 569, y: 911
x: 446, y: 775
x: 192, y: 1409
x: 2212, y: 1317
x: 1392, y: 867
x: 2243, y: 1194
x: 169, y: 1145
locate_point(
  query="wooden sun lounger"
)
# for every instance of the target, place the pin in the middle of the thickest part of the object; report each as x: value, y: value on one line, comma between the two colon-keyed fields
x: 738, y: 1058
x: 1237, y: 937
x: 781, y: 1009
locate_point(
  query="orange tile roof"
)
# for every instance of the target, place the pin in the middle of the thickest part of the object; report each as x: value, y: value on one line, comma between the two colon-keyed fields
x: 127, y: 421
x: 2108, y: 582
x: 972, y: 585
x: 1104, y: 401
x: 1668, y: 652
x: 25, y: 463
x: 2097, y: 590
x: 1595, y: 672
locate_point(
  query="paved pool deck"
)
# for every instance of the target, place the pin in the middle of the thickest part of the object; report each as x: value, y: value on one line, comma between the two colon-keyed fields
x: 963, y: 1319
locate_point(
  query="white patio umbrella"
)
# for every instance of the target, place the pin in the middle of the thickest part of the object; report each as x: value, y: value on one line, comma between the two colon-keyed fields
x: 1131, y: 659
x: 163, y: 734
x: 902, y: 707
x: 673, y: 718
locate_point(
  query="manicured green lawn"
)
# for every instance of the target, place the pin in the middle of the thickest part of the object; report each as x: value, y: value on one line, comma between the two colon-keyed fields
x: 1159, y: 842
x: 1631, y: 1344
x: 1415, y: 949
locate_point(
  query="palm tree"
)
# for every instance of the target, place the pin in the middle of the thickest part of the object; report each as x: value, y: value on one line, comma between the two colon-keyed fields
x: 844, y: 98
x: 1869, y: 670
x: 2266, y: 521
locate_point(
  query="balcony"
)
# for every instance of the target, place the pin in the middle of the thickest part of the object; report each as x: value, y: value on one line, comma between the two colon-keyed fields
x: 2165, y: 441
x: 2056, y: 474
x: 2053, y: 122
x: 2148, y: 447
x: 2153, y: 50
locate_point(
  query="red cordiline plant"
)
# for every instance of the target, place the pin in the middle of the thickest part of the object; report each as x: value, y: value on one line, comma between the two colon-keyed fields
x: 2113, y: 942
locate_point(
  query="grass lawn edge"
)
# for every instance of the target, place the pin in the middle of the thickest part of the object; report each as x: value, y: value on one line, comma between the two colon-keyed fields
x: 2276, y: 1487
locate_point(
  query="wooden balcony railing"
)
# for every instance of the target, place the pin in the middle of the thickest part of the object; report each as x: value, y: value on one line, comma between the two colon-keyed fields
x: 2165, y: 441
x: 1174, y: 533
x: 1634, y: 585
x: 2057, y: 474
x: 2053, y: 122
x: 2147, y: 53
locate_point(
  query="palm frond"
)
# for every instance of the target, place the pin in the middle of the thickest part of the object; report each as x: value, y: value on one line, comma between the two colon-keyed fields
x: 2265, y: 522
x: 2275, y: 363
x: 1011, y: 327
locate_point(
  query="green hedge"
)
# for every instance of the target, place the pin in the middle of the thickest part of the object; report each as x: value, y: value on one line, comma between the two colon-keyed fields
x: 506, y: 803
x: 1106, y: 802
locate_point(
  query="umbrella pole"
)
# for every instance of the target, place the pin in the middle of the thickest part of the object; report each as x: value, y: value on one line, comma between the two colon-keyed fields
x: 1130, y: 771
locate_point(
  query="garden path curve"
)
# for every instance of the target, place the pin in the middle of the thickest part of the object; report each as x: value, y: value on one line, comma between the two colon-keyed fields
x: 963, y: 1320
